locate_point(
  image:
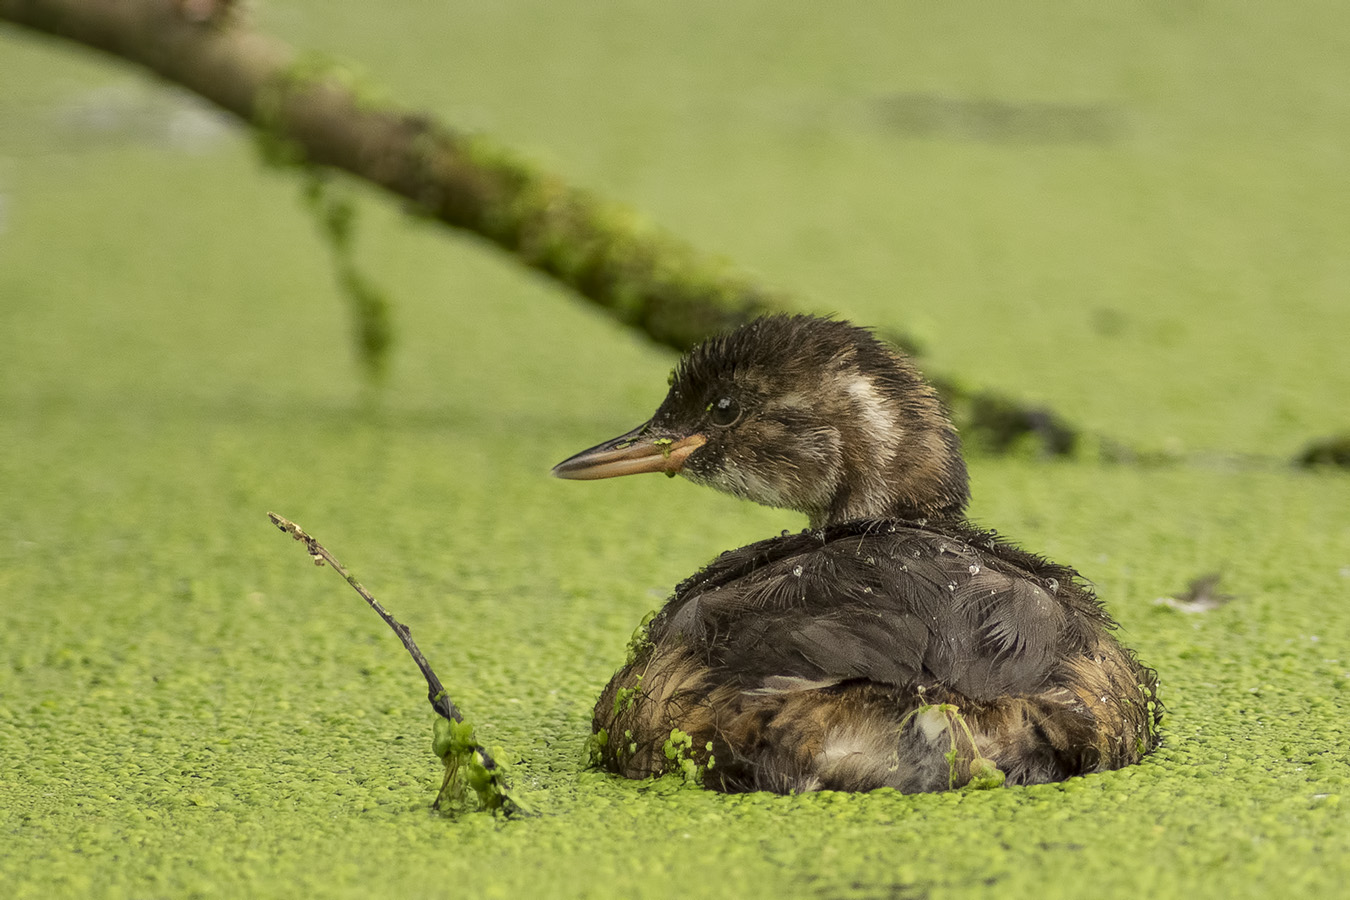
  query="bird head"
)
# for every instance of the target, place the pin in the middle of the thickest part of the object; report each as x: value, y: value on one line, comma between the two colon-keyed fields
x: 803, y: 413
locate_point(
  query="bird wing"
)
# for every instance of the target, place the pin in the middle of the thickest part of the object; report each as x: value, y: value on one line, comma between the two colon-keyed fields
x: 903, y: 607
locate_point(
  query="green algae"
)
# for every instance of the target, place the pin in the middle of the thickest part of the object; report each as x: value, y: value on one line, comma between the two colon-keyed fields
x: 329, y: 199
x: 467, y: 769
x: 162, y: 734
x: 334, y: 210
x: 676, y: 750
x: 967, y: 768
x: 641, y: 640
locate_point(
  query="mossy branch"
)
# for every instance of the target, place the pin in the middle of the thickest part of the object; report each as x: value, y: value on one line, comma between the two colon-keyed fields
x: 311, y: 112
x: 641, y: 275
x: 467, y: 762
x: 317, y: 115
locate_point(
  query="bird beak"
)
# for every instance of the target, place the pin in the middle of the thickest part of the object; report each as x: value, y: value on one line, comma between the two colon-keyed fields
x: 630, y: 454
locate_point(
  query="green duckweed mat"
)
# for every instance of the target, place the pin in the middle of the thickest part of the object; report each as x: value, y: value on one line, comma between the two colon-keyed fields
x: 1133, y: 214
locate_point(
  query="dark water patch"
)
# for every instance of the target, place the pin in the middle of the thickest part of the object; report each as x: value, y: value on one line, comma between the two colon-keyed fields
x: 991, y: 120
x: 1331, y: 451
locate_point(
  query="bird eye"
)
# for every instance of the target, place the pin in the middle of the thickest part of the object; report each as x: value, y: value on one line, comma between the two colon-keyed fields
x: 724, y: 412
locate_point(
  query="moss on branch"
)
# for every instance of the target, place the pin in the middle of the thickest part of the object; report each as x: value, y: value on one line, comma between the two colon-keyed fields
x: 311, y: 112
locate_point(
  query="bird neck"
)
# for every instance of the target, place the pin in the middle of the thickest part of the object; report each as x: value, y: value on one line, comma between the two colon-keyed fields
x: 899, y: 458
x: 938, y: 491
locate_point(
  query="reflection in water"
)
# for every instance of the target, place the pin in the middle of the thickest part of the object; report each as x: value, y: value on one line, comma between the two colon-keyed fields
x: 115, y: 114
x: 135, y: 112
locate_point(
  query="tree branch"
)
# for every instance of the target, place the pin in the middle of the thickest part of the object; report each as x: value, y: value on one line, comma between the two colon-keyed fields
x: 644, y: 277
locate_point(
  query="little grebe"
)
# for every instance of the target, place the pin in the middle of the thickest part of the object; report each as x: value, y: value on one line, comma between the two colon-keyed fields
x: 893, y: 644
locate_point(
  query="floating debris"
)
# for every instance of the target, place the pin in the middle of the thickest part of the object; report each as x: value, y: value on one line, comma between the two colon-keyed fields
x: 1201, y: 595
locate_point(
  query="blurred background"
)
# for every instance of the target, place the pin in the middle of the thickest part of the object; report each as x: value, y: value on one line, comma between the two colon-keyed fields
x: 1127, y: 214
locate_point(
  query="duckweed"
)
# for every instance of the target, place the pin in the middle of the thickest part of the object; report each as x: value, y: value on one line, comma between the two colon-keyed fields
x: 187, y: 710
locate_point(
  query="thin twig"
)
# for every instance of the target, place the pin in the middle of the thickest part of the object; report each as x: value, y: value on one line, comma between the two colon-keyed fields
x: 436, y: 693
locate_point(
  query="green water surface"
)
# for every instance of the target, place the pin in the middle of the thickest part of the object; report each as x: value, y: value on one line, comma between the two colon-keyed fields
x: 1136, y: 214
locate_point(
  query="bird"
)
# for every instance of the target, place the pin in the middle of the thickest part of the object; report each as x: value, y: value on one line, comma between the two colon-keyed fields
x: 893, y: 642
